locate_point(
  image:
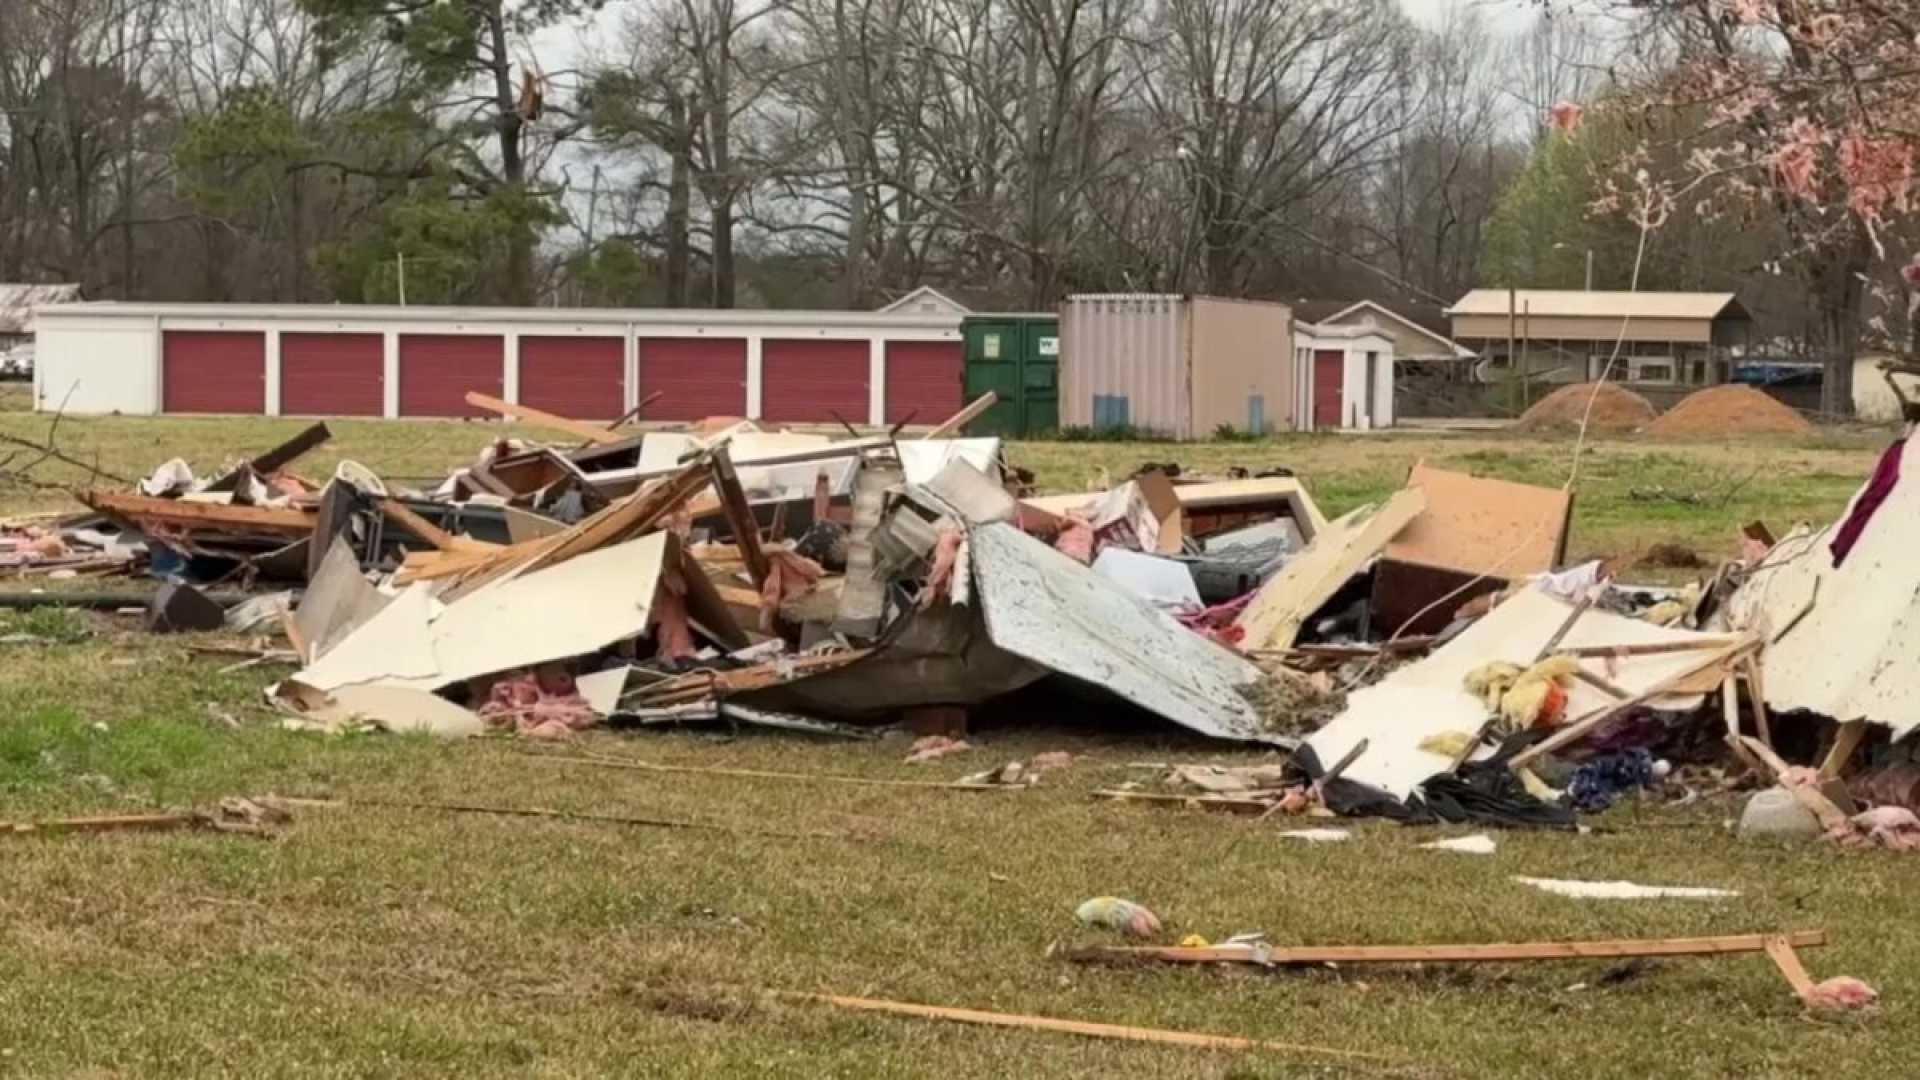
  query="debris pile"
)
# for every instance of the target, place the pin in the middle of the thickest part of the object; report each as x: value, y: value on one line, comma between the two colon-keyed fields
x: 1732, y: 409
x: 1429, y: 658
x: 1613, y: 408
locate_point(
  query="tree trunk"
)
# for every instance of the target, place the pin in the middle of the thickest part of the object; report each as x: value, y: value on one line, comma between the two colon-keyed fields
x: 1841, y: 292
x: 513, y: 166
x: 679, y: 213
x: 854, y: 288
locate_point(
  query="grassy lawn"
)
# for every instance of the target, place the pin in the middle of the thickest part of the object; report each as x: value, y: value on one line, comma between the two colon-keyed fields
x: 374, y: 940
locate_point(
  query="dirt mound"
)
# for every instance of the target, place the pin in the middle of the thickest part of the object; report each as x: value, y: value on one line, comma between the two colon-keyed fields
x: 1614, y: 409
x: 1729, y: 410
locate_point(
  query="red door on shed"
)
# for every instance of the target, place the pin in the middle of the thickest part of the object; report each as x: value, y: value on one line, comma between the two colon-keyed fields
x: 1329, y: 366
x: 574, y: 376
x: 696, y: 377
x: 809, y: 381
x: 437, y: 371
x: 213, y: 371
x: 924, y: 380
x: 333, y: 374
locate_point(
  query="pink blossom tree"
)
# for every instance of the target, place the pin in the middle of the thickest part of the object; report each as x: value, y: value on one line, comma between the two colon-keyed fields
x: 1808, y: 110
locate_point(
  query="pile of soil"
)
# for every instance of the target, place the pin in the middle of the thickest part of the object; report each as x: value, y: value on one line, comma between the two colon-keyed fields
x: 1616, y: 409
x: 1729, y: 410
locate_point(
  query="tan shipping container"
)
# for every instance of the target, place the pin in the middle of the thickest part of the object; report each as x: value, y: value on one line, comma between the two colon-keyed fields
x: 1177, y: 365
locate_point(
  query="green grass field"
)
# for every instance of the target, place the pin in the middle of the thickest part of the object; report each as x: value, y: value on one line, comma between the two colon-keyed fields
x: 375, y: 940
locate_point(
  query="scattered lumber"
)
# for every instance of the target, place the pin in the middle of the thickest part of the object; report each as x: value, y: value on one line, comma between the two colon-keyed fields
x: 1273, y: 956
x: 176, y: 516
x: 1193, y: 1040
x: 527, y: 414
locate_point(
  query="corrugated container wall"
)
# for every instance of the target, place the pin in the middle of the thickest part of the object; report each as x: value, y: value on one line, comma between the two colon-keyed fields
x: 1176, y: 365
x: 1242, y: 365
x: 1124, y: 362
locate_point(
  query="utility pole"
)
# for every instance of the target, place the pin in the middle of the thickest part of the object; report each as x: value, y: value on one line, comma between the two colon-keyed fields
x: 1511, y: 350
x: 1589, y: 269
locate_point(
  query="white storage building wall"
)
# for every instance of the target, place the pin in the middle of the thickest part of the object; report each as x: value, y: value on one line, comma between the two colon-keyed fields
x: 141, y: 359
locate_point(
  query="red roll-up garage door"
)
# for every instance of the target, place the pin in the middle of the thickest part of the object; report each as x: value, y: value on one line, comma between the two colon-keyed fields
x: 574, y: 376
x: 213, y: 371
x: 333, y: 374
x: 437, y: 371
x: 924, y: 380
x: 809, y: 381
x: 697, y: 377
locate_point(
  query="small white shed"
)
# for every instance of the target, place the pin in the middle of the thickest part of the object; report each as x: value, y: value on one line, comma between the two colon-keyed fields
x: 1343, y: 377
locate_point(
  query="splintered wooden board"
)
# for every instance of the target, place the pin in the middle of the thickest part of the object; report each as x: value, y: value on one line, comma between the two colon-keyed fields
x: 1338, y: 551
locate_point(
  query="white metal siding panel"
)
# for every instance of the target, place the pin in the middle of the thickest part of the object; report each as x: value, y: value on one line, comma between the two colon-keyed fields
x: 95, y: 369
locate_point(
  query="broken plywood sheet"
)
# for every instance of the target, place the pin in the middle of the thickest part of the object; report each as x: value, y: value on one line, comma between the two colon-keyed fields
x: 1476, y: 536
x: 1044, y: 606
x: 1479, y: 526
x: 581, y: 605
x: 1844, y: 642
x: 1340, y: 550
x: 1427, y: 698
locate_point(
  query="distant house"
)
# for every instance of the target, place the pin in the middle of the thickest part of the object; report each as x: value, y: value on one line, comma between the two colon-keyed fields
x: 1419, y: 331
x: 926, y: 300
x: 1566, y: 336
x: 16, y: 309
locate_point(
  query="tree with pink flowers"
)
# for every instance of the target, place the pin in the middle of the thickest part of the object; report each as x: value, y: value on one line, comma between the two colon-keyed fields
x: 1808, y: 111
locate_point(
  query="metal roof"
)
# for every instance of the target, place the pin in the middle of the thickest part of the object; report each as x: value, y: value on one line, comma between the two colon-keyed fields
x: 1579, y: 304
x: 731, y: 318
x: 18, y: 301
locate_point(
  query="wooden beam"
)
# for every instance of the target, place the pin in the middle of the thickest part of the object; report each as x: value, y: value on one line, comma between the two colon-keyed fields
x: 1224, y: 803
x: 1279, y: 955
x: 1600, y: 684
x: 1780, y: 951
x: 1757, y: 695
x: 309, y: 438
x: 739, y: 515
x: 953, y: 424
x: 579, y: 429
x: 1337, y: 552
x: 1845, y: 742
x: 1654, y: 648
x: 1190, y: 1039
x: 1566, y: 625
x: 428, y: 531
x: 113, y: 823
x: 182, y: 515
x: 766, y: 774
x: 1583, y: 727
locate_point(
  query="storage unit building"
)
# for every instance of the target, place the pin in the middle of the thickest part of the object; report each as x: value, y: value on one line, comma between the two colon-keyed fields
x: 1176, y: 365
x: 1344, y: 375
x: 597, y: 364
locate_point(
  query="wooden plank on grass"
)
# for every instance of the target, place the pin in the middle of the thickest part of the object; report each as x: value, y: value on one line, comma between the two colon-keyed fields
x: 1190, y: 1039
x: 1276, y: 955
